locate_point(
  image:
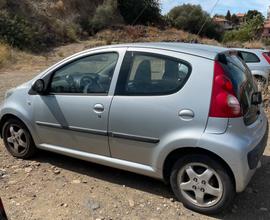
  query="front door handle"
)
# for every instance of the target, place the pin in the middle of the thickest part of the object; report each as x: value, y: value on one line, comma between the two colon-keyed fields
x: 98, y: 108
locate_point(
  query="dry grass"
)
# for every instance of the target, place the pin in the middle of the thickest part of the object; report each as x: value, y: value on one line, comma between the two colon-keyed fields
x: 5, y: 54
x: 254, y: 44
x: 126, y: 34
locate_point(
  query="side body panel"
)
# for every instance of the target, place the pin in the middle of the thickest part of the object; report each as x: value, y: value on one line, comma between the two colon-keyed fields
x: 145, y: 129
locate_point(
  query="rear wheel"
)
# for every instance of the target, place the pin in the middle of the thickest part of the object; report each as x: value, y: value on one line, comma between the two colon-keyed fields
x: 17, y: 139
x: 202, y: 184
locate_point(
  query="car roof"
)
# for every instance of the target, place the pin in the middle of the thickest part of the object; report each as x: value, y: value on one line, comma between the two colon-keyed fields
x: 202, y: 50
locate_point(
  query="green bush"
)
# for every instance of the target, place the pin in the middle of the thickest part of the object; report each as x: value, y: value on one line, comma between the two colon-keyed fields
x: 23, y: 34
x: 251, y: 30
x: 140, y: 11
x: 193, y: 19
x: 16, y: 31
x: 105, y: 15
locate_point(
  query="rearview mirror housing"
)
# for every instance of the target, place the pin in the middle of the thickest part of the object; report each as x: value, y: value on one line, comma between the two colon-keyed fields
x: 39, y: 87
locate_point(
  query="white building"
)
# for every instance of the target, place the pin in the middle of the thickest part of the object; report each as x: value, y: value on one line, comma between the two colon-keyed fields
x: 268, y: 13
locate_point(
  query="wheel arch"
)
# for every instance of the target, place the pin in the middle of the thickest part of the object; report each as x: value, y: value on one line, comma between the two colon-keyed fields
x: 176, y: 154
x: 8, y: 116
x: 260, y: 74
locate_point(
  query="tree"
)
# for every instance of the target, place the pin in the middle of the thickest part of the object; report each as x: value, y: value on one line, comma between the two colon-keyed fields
x: 235, y: 19
x: 254, y: 13
x: 140, y: 11
x: 228, y: 16
x: 193, y: 19
x: 251, y: 30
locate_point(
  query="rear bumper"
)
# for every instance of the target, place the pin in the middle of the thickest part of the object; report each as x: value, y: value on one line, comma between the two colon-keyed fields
x: 241, y: 147
x: 1, y: 124
x: 255, y: 155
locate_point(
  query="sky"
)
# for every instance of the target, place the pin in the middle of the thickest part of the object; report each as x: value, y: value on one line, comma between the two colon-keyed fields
x: 222, y: 7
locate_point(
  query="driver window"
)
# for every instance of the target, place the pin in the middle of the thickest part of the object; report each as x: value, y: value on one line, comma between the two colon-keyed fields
x: 92, y: 74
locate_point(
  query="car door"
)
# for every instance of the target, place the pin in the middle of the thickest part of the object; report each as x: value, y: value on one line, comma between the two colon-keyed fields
x: 153, y: 104
x: 74, y: 113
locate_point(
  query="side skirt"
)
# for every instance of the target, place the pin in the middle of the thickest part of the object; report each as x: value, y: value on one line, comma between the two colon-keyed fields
x: 107, y: 161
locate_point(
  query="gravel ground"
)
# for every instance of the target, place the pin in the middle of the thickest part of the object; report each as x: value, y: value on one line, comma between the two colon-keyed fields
x: 56, y: 187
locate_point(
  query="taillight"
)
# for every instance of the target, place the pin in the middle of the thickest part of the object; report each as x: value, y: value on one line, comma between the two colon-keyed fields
x: 266, y: 56
x: 224, y: 103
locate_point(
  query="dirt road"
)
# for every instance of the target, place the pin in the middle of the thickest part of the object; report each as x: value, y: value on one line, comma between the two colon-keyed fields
x: 56, y: 187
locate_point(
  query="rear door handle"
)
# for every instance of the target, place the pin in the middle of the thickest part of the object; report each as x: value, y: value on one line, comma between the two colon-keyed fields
x: 98, y: 108
x: 186, y: 114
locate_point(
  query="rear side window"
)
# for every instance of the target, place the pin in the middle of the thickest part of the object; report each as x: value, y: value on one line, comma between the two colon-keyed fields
x: 152, y: 74
x: 243, y: 84
x: 250, y: 57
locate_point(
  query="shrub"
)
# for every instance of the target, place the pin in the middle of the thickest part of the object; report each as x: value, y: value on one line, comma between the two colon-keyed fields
x: 140, y: 11
x: 266, y: 41
x: 193, y: 19
x: 5, y: 54
x: 106, y: 15
x: 249, y: 31
x: 16, y: 31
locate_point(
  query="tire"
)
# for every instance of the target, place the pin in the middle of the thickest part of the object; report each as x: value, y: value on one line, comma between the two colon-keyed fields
x: 187, y: 187
x: 17, y: 139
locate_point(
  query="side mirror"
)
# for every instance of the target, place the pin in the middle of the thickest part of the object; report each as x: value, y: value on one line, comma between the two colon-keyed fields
x: 256, y: 98
x: 39, y: 86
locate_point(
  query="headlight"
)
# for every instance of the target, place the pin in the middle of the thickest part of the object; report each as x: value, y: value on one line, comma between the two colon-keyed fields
x: 9, y: 93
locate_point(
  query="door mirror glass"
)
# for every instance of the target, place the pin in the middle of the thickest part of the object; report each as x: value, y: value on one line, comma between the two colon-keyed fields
x: 39, y: 86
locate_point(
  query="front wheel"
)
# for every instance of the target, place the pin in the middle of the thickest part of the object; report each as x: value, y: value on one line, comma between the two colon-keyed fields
x: 18, y: 139
x: 202, y: 184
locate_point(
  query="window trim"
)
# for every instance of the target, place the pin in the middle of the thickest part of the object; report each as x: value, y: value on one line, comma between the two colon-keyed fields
x: 258, y: 59
x: 126, y: 68
x: 49, y: 77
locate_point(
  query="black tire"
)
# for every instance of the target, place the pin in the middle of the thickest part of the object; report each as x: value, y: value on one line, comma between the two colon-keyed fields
x: 29, y: 148
x: 225, y: 199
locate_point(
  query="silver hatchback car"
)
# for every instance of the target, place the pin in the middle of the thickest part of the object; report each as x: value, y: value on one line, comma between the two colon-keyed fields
x: 188, y: 114
x: 258, y: 61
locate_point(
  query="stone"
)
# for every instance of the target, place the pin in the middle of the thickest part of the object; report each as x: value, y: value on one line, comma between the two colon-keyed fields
x: 76, y: 181
x: 93, y: 205
x: 28, y: 169
x: 56, y: 171
x: 131, y: 203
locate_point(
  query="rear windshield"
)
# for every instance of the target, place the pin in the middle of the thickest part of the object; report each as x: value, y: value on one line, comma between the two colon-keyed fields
x: 243, y: 84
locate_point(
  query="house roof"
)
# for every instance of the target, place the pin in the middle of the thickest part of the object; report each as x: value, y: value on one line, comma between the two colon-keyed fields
x: 240, y: 15
x: 218, y: 19
x: 267, y: 24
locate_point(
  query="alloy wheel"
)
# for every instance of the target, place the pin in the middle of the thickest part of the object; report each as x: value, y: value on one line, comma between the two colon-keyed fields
x: 17, y: 139
x: 200, y: 184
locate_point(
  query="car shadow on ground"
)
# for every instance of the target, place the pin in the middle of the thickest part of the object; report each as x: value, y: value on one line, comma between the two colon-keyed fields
x: 253, y: 203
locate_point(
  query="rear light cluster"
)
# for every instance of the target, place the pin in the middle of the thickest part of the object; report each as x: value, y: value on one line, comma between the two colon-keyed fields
x: 224, y: 103
x: 266, y: 56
